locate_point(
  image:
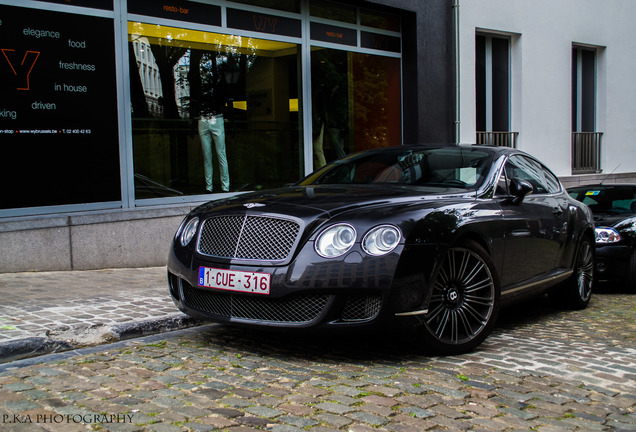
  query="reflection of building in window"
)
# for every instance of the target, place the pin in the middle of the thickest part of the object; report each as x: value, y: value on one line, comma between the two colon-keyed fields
x: 151, y: 81
x: 182, y: 88
x: 149, y: 74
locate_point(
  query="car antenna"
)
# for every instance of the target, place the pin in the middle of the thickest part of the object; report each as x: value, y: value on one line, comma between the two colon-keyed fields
x: 607, y: 176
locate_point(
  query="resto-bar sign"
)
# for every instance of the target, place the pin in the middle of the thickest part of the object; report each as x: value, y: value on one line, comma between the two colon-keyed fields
x: 333, y: 34
x: 178, y: 10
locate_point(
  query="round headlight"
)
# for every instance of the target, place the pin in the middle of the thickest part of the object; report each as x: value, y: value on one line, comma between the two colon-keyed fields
x: 189, y: 231
x: 335, y: 241
x: 606, y: 235
x: 181, y: 225
x: 381, y: 240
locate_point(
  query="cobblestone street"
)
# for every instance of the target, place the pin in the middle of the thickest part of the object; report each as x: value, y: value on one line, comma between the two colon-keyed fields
x: 542, y: 369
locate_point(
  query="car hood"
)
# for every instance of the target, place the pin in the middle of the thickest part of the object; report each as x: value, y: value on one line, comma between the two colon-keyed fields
x: 329, y: 200
x: 610, y: 219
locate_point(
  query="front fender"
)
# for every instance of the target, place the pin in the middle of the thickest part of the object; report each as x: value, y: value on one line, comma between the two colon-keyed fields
x: 429, y: 240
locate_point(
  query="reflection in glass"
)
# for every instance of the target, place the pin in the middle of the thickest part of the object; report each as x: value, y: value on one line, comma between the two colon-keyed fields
x: 333, y: 11
x: 451, y: 167
x: 526, y: 169
x: 356, y: 103
x: 285, y: 5
x: 379, y: 20
x: 212, y: 112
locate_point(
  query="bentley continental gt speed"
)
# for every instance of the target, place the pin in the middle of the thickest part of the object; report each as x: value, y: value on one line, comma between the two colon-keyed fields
x: 434, y: 239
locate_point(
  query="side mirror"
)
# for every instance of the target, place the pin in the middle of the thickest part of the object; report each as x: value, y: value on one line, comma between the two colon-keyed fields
x: 519, y: 189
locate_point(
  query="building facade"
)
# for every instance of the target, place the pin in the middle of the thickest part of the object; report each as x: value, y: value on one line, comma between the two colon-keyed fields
x: 119, y: 116
x: 553, y: 79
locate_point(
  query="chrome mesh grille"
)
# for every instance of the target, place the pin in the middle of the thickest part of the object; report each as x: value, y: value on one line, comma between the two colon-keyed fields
x: 297, y: 309
x: 248, y: 237
x: 219, y: 235
x: 361, y: 308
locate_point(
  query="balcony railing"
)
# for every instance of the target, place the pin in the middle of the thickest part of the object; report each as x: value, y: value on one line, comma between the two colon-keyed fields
x: 501, y: 139
x: 586, y: 152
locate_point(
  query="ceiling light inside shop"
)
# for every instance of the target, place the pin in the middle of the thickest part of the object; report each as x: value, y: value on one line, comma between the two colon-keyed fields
x: 174, y: 36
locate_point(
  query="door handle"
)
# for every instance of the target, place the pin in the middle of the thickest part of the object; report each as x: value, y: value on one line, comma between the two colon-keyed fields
x: 556, y: 211
x: 520, y: 233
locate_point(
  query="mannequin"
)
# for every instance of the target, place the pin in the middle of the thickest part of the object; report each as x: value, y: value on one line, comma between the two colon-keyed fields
x: 211, y: 123
x: 212, y: 129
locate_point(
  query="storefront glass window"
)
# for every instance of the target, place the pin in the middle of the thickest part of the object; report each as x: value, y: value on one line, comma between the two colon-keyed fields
x: 212, y: 112
x: 379, y: 20
x: 356, y: 103
x: 284, y: 5
x: 58, y: 109
x: 332, y: 11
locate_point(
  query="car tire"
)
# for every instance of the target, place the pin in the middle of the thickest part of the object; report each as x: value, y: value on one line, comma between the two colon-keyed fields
x: 464, y: 301
x: 630, y: 278
x: 576, y: 292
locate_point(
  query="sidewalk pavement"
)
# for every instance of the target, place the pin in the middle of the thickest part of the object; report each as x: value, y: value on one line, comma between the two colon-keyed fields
x: 47, y: 312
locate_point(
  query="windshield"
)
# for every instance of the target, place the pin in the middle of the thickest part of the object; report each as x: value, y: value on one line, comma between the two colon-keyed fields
x: 436, y: 167
x: 615, y: 199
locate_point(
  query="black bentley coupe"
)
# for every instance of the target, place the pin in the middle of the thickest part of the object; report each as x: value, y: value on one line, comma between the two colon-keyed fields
x: 433, y: 238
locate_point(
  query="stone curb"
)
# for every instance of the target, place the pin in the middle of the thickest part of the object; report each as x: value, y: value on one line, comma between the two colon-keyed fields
x: 91, y: 335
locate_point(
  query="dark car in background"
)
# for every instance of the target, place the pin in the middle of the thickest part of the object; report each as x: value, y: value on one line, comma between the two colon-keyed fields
x: 433, y: 239
x: 614, y: 209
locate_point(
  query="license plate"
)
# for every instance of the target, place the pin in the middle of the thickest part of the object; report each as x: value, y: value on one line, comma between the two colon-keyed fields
x: 234, y: 280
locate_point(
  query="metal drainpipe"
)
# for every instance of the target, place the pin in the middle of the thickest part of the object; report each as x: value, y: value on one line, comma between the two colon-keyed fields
x: 457, y: 110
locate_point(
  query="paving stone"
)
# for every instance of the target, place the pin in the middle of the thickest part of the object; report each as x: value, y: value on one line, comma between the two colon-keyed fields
x: 346, y: 390
x: 334, y: 408
x: 301, y: 422
x: 285, y: 428
x: 16, y: 387
x: 217, y: 421
x: 228, y: 412
x: 342, y: 399
x: 18, y: 406
x: 164, y: 427
x: 541, y: 369
x: 379, y: 400
x: 263, y: 411
x: 417, y: 412
x: 253, y: 421
x: 333, y: 420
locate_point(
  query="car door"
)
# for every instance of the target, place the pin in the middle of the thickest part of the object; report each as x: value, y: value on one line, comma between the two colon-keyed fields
x: 533, y: 227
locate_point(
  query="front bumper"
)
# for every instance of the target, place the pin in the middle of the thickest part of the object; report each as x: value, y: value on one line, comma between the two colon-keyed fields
x: 353, y: 291
x: 612, y: 262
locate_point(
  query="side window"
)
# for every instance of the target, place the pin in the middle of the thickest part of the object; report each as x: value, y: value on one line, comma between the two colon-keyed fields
x: 502, y: 184
x: 554, y: 186
x: 525, y: 168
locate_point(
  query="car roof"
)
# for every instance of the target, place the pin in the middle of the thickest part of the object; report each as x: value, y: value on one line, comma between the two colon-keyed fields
x: 490, y: 149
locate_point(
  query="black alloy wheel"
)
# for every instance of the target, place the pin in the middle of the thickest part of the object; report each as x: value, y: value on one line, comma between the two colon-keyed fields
x: 585, y: 272
x: 576, y: 292
x: 464, y: 301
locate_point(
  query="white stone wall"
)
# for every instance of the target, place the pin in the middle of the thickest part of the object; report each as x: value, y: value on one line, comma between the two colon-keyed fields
x: 542, y: 35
